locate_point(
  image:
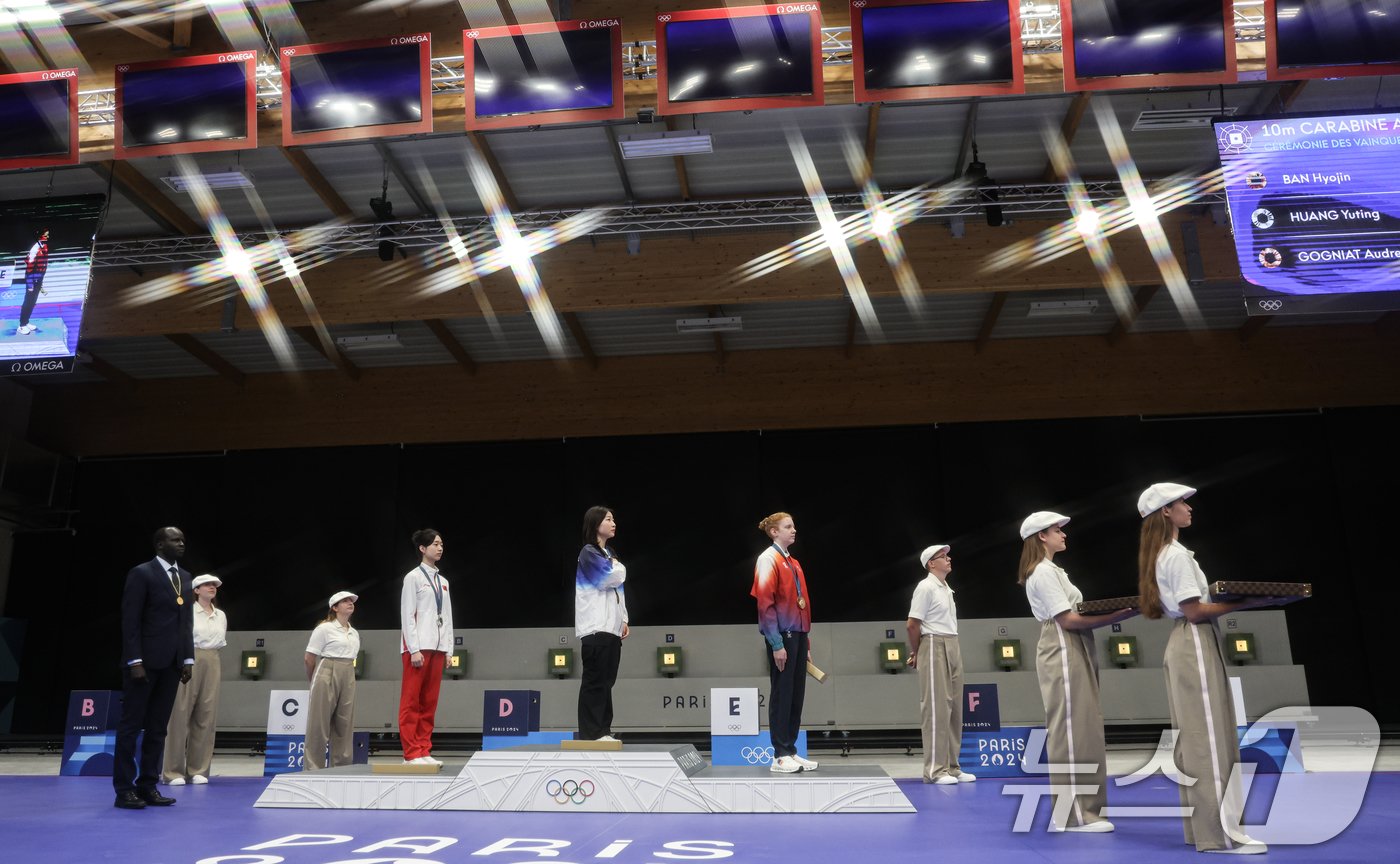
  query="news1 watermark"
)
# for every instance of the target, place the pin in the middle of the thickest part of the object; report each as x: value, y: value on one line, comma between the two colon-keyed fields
x: 1304, y: 808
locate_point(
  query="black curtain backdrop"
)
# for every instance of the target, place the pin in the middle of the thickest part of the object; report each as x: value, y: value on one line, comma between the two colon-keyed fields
x: 1294, y: 498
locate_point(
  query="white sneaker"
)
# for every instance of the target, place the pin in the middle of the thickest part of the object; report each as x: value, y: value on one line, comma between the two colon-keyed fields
x: 421, y: 760
x: 178, y: 781
x: 1103, y: 826
x: 965, y: 777
x: 946, y: 780
x: 199, y: 780
x: 609, y: 738
x: 807, y: 764
x: 431, y: 760
x: 1254, y: 847
x: 25, y: 331
x: 785, y: 765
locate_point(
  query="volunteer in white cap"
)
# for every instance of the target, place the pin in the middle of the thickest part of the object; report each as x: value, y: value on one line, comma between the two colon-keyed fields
x: 1198, y: 689
x: 1068, y: 670
x: 189, y: 739
x: 330, y: 667
x: 934, y: 651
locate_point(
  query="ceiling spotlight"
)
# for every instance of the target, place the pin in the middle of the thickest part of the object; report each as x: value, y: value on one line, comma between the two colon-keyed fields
x: 987, y: 193
x: 383, y: 208
x: 388, y: 247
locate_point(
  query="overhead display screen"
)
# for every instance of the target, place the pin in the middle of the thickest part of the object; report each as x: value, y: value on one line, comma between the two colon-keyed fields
x: 1114, y: 38
x: 936, y: 44
x: 38, y: 111
x: 189, y: 105
x: 739, y: 59
x: 1315, y: 208
x: 556, y: 72
x: 345, y: 90
x: 45, y: 266
x: 546, y: 72
x: 362, y: 87
x: 1313, y: 33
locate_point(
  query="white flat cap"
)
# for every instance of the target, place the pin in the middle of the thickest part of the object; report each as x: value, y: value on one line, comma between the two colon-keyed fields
x: 1159, y: 495
x: 343, y: 595
x: 928, y: 554
x: 206, y: 579
x: 1041, y: 520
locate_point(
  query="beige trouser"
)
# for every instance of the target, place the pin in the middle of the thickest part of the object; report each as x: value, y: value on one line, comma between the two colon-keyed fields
x: 941, y: 676
x: 1203, y: 713
x: 331, y: 714
x: 1074, y: 739
x: 189, y: 739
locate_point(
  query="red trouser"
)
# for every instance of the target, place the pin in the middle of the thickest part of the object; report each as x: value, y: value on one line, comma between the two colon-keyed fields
x: 418, y: 698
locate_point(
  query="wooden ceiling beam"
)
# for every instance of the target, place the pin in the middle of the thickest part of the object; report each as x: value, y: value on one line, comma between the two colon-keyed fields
x: 619, y: 163
x: 479, y: 141
x: 336, y: 357
x: 452, y: 344
x: 1252, y: 327
x: 410, y: 186
x: 107, y: 370
x: 301, y: 161
x: 1069, y: 127
x: 147, y: 197
x: 872, y: 134
x: 117, y: 21
x: 1141, y: 297
x: 719, y: 338
x: 681, y: 178
x: 989, y: 322
x: 208, y: 356
x: 585, y: 347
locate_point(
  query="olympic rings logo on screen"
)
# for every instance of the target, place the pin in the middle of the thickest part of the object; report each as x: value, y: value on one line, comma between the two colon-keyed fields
x: 577, y: 791
x: 1271, y: 305
x: 472, y: 34
x: 757, y: 755
x: 663, y: 18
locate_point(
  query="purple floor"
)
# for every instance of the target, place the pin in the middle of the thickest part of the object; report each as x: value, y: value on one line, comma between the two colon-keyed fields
x: 71, y: 819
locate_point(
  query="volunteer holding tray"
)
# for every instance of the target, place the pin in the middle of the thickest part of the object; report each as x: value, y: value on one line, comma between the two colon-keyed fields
x: 1198, y: 690
x: 1068, y: 670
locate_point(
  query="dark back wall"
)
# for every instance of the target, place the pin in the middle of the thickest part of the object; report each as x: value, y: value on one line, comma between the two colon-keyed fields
x: 1292, y: 498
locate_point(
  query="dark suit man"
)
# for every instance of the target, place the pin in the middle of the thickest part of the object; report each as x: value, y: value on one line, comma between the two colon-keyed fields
x: 158, y: 653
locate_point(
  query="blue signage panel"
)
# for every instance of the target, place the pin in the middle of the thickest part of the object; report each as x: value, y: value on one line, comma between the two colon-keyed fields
x: 510, y: 712
x: 981, y: 708
x: 284, y: 753
x: 754, y: 750
x: 995, y: 754
x: 90, y: 734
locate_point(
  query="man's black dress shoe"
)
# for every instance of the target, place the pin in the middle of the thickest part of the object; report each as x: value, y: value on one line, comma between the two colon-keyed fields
x: 129, y: 801
x: 154, y: 798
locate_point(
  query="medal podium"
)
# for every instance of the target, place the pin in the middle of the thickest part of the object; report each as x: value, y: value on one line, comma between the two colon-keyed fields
x: 639, y: 778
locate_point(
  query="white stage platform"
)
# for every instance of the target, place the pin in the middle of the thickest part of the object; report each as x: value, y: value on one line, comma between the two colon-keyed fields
x: 50, y: 339
x: 640, y: 778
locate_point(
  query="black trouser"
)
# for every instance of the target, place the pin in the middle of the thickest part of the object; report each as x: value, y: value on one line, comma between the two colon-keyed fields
x: 602, y: 652
x: 785, y: 695
x: 32, y: 286
x: 146, y: 705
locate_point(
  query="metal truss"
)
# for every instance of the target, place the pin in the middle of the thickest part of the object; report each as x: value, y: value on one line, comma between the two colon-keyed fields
x: 1032, y: 200
x: 1040, y: 34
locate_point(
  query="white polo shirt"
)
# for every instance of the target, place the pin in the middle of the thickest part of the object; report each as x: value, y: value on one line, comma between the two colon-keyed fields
x: 329, y: 639
x: 933, y: 605
x: 1050, y: 592
x: 1179, y: 578
x: 210, y: 628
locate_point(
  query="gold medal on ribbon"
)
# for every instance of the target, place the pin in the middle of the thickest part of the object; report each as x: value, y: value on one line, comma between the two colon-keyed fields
x: 179, y: 601
x: 801, y: 602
